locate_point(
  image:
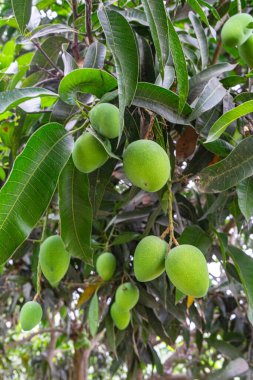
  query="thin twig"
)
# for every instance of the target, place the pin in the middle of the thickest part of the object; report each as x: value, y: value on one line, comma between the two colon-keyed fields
x: 75, y: 44
x: 170, y: 228
x: 27, y: 339
x: 45, y: 81
x: 88, y: 21
x: 217, y: 52
x: 39, y: 273
x: 38, y: 46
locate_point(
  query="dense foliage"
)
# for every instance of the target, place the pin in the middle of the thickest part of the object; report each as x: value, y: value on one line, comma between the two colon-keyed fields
x: 163, y: 64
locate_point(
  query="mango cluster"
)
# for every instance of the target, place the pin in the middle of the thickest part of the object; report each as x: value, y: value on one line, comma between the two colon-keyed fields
x: 126, y: 297
x: 89, y: 153
x: 145, y: 162
x: 237, y: 32
x: 185, y: 265
x: 54, y: 261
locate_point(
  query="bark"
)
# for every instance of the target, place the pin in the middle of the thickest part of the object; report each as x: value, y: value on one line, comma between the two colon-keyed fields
x: 81, y: 364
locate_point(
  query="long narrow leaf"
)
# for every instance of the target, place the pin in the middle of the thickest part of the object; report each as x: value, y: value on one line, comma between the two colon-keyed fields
x: 93, y: 81
x: 180, y: 66
x: 227, y: 173
x: 227, y: 118
x: 201, y: 37
x: 161, y: 101
x: 22, y: 10
x: 31, y: 185
x: 75, y: 212
x: 122, y: 43
x: 10, y: 99
x: 157, y: 19
x: 212, y: 94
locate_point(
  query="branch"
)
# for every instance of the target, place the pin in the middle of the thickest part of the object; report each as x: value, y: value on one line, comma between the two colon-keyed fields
x: 88, y: 21
x: 31, y: 336
x: 42, y: 82
x: 38, y: 46
x: 75, y: 44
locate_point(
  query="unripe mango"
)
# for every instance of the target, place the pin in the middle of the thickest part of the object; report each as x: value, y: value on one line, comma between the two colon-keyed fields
x: 127, y: 296
x: 54, y: 259
x: 235, y: 31
x: 30, y: 315
x: 106, y: 265
x: 88, y: 153
x: 147, y: 165
x: 120, y: 317
x: 187, y: 269
x: 104, y: 119
x: 246, y: 51
x: 149, y: 258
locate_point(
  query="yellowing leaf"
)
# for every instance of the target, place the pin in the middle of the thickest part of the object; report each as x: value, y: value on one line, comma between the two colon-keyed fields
x: 88, y: 293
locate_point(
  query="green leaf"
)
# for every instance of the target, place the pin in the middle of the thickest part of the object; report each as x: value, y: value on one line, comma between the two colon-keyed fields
x: 125, y: 237
x: 211, y: 8
x: 179, y: 296
x: 227, y: 173
x: 243, y: 97
x: 45, y: 30
x: 216, y: 204
x: 194, y: 235
x: 224, y: 348
x: 211, y: 95
x: 227, y: 118
x: 161, y: 101
x: 199, y: 10
x: 93, y: 315
x: 219, y: 147
x: 87, y: 81
x: 233, y: 80
x: 122, y: 43
x: 98, y: 183
x: 244, y: 267
x: 31, y: 185
x: 103, y: 142
x: 233, y: 369
x: 11, y: 99
x: 198, y: 81
x: 178, y: 57
x: 68, y: 61
x: 157, y: 20
x: 22, y: 10
x: 169, y: 77
x: 75, y: 212
x: 245, y: 197
x: 110, y: 334
x: 95, y: 55
x: 201, y: 37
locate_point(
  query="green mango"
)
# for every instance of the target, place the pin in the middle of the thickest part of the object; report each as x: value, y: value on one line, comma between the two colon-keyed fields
x: 106, y: 265
x: 147, y: 165
x: 149, y: 258
x: 104, y: 118
x: 186, y: 268
x: 30, y: 315
x: 235, y: 31
x: 88, y: 153
x: 120, y: 317
x: 54, y: 259
x: 127, y: 296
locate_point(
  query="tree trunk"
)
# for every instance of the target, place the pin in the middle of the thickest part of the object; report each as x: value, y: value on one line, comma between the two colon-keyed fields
x: 81, y: 364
